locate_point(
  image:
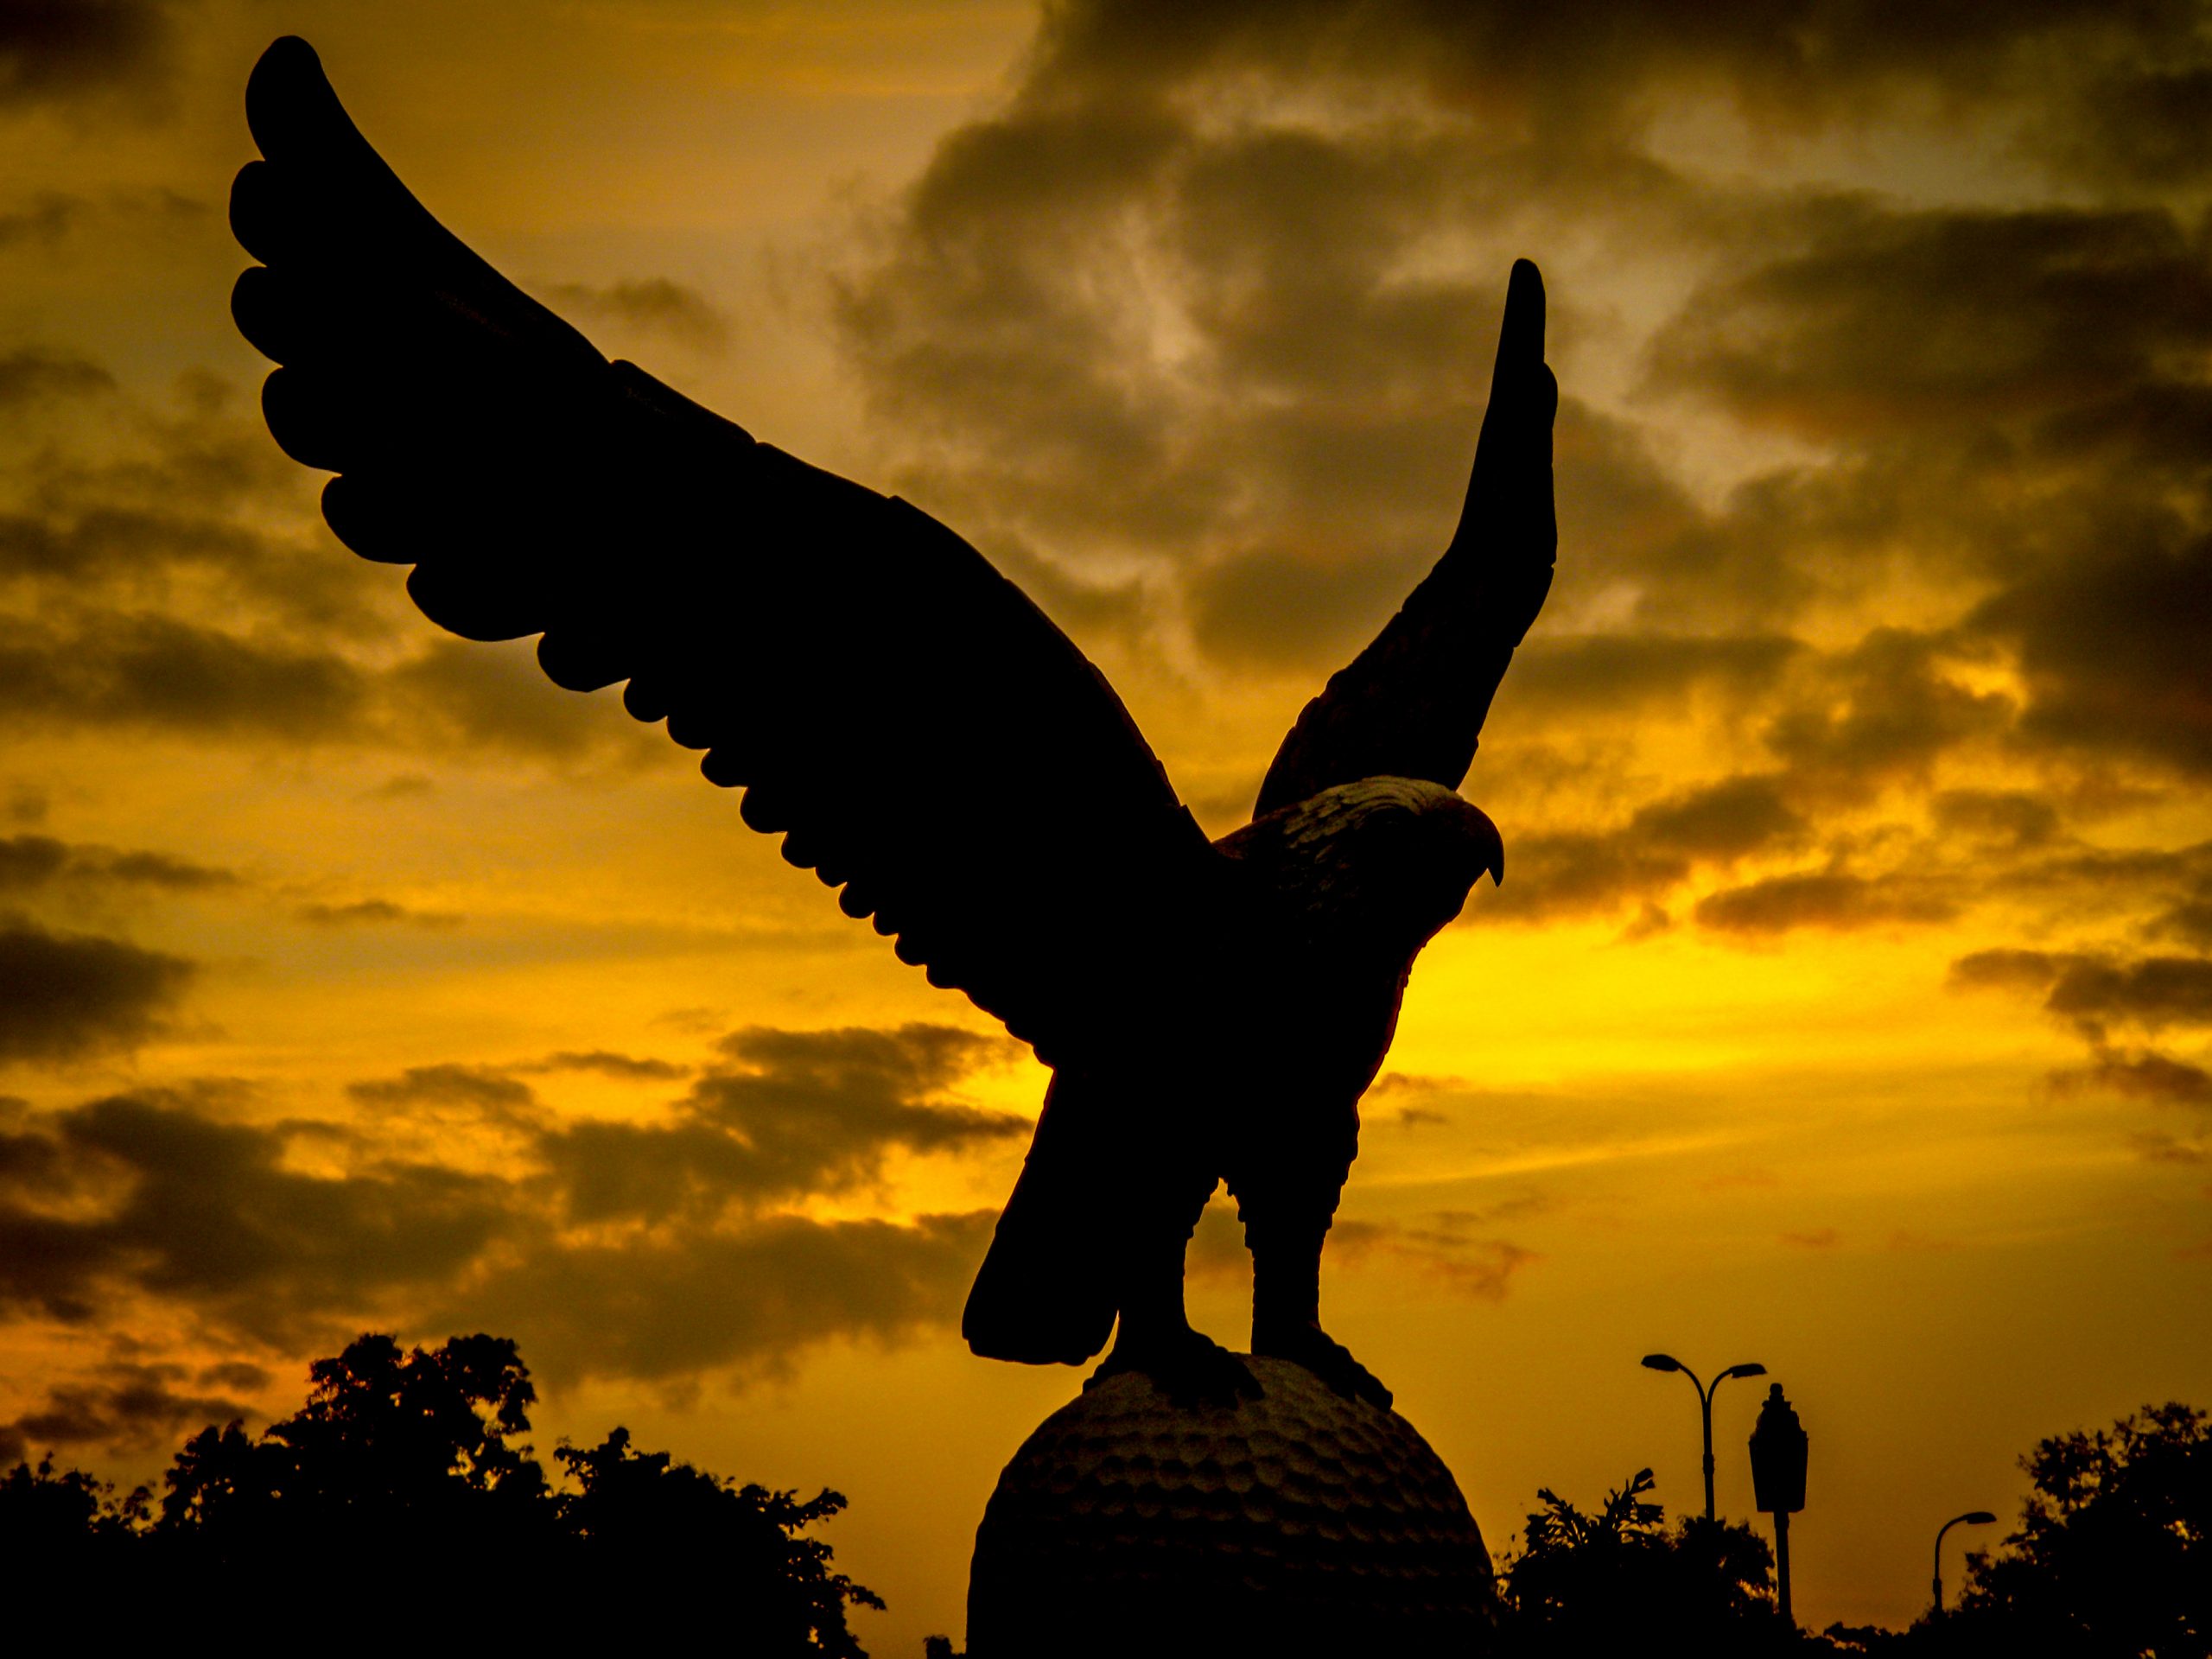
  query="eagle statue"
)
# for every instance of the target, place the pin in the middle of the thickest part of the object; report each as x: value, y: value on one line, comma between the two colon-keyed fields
x: 925, y: 740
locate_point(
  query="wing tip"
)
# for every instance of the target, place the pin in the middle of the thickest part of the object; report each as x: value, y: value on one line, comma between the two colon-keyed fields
x: 287, y: 73
x: 1520, y: 333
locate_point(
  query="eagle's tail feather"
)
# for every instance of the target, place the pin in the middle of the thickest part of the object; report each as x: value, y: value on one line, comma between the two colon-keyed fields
x: 1044, y: 1295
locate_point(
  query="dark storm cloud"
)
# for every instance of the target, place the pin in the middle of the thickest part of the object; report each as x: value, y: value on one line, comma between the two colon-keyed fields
x: 148, y: 672
x: 1012, y: 335
x: 2114, y: 649
x: 157, y: 672
x: 1456, y: 1247
x: 1655, y: 849
x: 31, y: 861
x: 1277, y: 610
x: 783, y: 1113
x: 484, y: 1090
x: 1642, y: 671
x: 1897, y: 323
x: 45, y: 217
x: 1106, y: 322
x: 163, y: 1195
x: 1205, y: 348
x: 1566, y: 67
x: 374, y: 912
x: 496, y: 697
x: 67, y: 994
x: 182, y: 507
x: 2155, y: 1146
x: 2008, y: 817
x: 151, y: 591
x: 1972, y: 361
x: 651, y: 304
x: 2005, y: 969
x: 1882, y: 709
x: 2097, y: 991
x: 1835, y: 901
x: 1010, y: 383
x: 128, y: 1407
x: 174, y: 1194
x: 1216, y: 288
x: 2189, y: 920
x: 678, y: 1304
x: 54, y: 49
x: 32, y: 375
x: 631, y: 1068
x: 27, y: 861
x: 1570, y: 873
x: 2151, y: 992
x: 2142, y: 1074
x: 1727, y: 820
x: 109, y: 542
x: 1445, y: 1246
x: 2135, y: 117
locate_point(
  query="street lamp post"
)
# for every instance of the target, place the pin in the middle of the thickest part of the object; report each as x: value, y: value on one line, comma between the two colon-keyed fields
x: 1778, y: 1454
x: 1971, y: 1518
x: 1669, y: 1363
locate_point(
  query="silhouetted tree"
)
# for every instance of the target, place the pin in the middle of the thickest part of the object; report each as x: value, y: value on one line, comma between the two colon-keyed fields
x: 66, y: 1524
x: 396, y: 1482
x: 1601, y: 1582
x: 401, y: 1496
x: 2111, y: 1556
x: 670, y: 1531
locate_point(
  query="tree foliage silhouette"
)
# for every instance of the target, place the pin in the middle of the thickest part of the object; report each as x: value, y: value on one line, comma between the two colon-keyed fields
x: 1600, y: 1582
x: 656, y: 1523
x: 403, y: 1493
x: 397, y: 1459
x: 65, y: 1523
x: 403, y: 1490
x: 2111, y: 1555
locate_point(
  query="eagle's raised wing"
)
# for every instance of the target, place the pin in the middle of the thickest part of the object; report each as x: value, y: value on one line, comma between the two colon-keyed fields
x: 923, y: 734
x: 1412, y: 704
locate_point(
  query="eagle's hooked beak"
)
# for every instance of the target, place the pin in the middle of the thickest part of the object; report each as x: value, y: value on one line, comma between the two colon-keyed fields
x: 1490, y: 846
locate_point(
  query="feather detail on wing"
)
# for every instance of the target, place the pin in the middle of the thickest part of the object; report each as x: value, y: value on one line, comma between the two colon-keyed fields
x: 1412, y: 704
x: 916, y: 729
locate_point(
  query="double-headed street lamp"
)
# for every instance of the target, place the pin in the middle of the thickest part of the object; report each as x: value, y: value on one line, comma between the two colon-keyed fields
x: 1669, y: 1363
x: 1971, y: 1518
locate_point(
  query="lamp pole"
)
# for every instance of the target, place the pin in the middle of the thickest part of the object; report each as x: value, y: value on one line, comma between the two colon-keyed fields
x: 1779, y: 1446
x: 1669, y: 1363
x: 1971, y: 1518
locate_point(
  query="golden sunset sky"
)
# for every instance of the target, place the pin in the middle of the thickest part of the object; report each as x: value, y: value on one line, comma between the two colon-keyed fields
x: 1847, y: 1007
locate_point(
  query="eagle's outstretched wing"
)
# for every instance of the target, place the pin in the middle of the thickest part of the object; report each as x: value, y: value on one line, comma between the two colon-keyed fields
x: 1412, y: 704
x: 925, y: 736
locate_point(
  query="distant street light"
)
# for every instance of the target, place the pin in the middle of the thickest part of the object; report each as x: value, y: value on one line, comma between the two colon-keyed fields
x: 1971, y: 1518
x: 1669, y: 1363
x: 1779, y: 1446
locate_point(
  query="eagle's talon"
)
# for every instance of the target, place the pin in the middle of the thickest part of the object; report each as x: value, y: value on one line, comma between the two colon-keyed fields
x: 1309, y: 1345
x: 1190, y: 1368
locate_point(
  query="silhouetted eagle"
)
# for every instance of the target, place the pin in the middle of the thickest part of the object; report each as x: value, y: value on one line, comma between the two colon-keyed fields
x: 925, y: 739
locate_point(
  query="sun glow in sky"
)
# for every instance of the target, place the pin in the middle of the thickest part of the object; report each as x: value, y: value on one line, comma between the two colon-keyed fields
x: 1846, y: 1004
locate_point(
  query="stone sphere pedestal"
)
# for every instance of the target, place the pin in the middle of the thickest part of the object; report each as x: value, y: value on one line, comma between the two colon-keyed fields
x: 1301, y: 1522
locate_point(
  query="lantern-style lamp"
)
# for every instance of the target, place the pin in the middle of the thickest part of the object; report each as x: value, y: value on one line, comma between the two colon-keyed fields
x: 1778, y: 1452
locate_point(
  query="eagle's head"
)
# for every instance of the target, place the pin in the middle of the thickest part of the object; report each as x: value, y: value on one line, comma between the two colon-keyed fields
x: 1384, y: 862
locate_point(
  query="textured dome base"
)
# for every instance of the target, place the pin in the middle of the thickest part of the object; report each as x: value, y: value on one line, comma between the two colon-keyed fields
x: 1299, y: 1522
